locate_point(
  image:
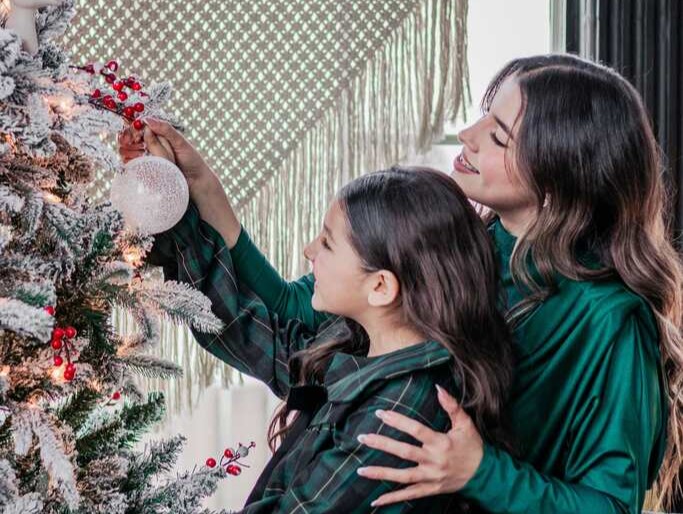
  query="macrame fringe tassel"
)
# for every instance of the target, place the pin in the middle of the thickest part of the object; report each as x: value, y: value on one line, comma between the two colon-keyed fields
x: 395, y: 108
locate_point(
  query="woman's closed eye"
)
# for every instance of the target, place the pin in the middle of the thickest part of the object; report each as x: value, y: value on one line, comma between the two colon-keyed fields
x: 497, y: 141
x: 323, y: 241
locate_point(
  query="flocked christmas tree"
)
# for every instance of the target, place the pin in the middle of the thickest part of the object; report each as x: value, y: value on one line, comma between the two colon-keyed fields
x: 70, y: 412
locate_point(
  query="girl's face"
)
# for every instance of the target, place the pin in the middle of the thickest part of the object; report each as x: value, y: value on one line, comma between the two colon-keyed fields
x: 341, y: 283
x: 486, y: 169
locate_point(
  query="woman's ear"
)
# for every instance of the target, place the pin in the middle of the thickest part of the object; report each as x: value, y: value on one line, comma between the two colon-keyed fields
x: 385, y: 289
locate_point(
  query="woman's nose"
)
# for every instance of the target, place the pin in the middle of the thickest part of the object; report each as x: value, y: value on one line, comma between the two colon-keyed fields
x: 467, y: 137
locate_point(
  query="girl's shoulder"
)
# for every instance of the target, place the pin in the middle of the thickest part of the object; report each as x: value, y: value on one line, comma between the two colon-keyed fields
x: 404, y: 381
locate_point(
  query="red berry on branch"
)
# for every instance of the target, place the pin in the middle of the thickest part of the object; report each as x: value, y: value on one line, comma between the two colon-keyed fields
x: 57, y: 333
x: 89, y: 68
x: 113, y: 65
x: 138, y: 125
x: 58, y: 360
x: 140, y: 107
x: 50, y: 310
x: 116, y: 396
x: 129, y: 112
x: 118, y: 86
x: 123, y: 96
x: 69, y: 375
x: 211, y: 462
x: 97, y: 93
x: 136, y: 86
x: 110, y: 78
x: 57, y: 344
x: 70, y: 332
x: 232, y: 469
x: 228, y: 453
x: 71, y: 367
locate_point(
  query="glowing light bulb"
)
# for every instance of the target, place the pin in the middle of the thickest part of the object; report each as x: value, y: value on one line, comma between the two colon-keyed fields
x: 133, y: 256
x: 52, y: 198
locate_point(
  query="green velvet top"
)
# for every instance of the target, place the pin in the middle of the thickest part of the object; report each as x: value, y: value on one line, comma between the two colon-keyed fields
x: 588, y: 406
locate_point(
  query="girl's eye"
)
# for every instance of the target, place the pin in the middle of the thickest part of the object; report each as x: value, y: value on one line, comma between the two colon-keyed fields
x: 323, y: 241
x: 497, y: 141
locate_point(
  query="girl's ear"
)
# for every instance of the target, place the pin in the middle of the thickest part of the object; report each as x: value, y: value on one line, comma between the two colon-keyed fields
x: 385, y: 289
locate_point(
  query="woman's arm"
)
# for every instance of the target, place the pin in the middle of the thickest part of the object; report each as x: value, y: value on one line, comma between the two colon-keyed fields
x: 610, y: 458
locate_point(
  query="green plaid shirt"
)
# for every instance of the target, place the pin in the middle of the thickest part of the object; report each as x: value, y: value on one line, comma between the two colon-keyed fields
x: 319, y: 472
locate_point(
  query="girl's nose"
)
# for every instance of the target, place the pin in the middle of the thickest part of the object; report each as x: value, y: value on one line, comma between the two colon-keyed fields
x: 309, y: 251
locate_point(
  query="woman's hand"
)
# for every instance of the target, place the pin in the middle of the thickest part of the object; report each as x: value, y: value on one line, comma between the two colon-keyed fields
x: 445, y: 462
x: 159, y: 138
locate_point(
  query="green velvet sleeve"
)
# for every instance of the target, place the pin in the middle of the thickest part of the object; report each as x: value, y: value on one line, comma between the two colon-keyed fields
x: 289, y: 300
x: 612, y: 448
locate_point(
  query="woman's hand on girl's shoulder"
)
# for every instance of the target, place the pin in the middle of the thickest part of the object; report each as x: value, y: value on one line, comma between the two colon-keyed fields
x: 445, y: 462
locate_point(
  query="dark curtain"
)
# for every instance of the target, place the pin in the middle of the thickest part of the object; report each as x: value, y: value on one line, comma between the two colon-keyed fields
x: 642, y: 40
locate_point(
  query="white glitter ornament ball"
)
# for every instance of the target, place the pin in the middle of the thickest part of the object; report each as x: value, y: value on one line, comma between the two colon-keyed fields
x: 151, y: 193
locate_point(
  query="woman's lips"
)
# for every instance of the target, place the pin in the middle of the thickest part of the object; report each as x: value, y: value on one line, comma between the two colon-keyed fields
x: 462, y: 165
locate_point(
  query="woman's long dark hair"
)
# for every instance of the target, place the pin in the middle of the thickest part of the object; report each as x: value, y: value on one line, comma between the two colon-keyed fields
x: 586, y: 149
x: 419, y: 225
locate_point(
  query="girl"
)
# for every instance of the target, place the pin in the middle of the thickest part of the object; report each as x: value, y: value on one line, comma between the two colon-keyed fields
x: 565, y: 159
x: 407, y: 270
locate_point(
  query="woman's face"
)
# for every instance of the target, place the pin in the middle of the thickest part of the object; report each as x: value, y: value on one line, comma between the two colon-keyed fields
x: 340, y: 281
x: 486, y: 169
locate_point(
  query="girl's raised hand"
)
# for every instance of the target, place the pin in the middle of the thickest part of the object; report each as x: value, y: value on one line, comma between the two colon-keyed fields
x: 445, y: 462
x: 162, y: 139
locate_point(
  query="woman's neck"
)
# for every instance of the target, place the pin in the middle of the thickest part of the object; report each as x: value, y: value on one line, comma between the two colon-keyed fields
x: 385, y: 336
x: 516, y: 221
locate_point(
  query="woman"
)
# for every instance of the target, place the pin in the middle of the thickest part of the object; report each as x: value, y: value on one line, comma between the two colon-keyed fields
x: 565, y: 159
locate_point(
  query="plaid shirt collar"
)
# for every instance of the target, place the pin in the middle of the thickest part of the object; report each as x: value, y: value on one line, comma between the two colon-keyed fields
x: 349, y: 375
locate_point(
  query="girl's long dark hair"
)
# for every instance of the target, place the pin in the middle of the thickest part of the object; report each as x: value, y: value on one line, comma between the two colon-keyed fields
x: 586, y: 148
x: 419, y: 225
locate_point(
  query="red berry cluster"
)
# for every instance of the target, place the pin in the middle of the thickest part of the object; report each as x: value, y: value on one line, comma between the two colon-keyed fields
x: 117, y: 100
x: 61, y: 342
x: 230, y: 459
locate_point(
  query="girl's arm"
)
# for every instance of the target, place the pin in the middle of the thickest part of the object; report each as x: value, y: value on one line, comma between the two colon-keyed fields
x: 254, y: 341
x: 290, y: 300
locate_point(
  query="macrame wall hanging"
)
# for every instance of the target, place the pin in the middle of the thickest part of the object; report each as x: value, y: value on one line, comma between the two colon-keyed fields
x: 287, y: 100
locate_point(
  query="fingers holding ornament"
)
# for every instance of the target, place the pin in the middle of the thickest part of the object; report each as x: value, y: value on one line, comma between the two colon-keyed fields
x: 158, y: 146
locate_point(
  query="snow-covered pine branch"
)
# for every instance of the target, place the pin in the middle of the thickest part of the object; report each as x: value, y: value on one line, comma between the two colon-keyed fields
x: 180, y: 303
x: 25, y: 319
